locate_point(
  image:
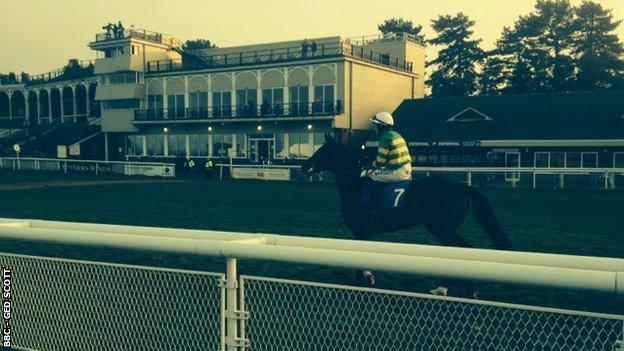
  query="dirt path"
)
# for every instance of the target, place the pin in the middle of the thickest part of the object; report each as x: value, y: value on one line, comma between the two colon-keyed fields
x: 77, y: 183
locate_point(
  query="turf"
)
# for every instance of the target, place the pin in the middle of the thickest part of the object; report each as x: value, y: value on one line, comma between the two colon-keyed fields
x: 580, y: 222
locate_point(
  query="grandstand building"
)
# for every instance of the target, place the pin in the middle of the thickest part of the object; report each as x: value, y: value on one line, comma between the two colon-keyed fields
x: 247, y: 103
x: 557, y: 130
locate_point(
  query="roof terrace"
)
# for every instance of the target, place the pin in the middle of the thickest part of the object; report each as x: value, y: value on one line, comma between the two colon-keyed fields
x: 287, y: 52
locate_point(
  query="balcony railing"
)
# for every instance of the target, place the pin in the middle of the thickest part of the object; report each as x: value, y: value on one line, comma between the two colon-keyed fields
x: 143, y: 34
x: 313, y: 109
x: 287, y: 54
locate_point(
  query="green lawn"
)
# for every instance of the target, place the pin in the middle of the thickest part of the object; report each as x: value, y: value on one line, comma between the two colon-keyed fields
x: 581, y: 222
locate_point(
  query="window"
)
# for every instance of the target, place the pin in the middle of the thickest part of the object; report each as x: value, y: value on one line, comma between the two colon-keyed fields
x: 618, y: 159
x: 589, y: 159
x: 557, y: 159
x: 198, y: 144
x: 134, y: 145
x: 175, y: 105
x: 272, y: 102
x: 223, y: 145
x: 319, y: 140
x: 217, y: 146
x: 573, y: 159
x: 300, y: 145
x: 121, y: 104
x: 299, y: 100
x: 241, y: 145
x: 542, y: 159
x: 323, y: 99
x: 176, y: 145
x: 280, y: 146
x: 122, y: 78
x: 198, y: 104
x: 247, y: 101
x: 221, y: 104
x: 155, y: 145
x: 135, y: 49
x: 155, y: 106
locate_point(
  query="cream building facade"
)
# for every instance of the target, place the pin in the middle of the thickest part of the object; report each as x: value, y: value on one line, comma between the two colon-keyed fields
x: 253, y: 103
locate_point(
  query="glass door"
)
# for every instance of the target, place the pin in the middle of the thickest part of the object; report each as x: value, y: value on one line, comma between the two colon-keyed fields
x: 512, y: 160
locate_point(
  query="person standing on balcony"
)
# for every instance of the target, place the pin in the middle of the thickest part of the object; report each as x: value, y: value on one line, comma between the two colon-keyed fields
x: 120, y: 29
x: 313, y: 48
x: 304, y: 48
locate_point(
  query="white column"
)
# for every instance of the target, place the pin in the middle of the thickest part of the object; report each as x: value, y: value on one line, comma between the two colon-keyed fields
x: 87, y: 104
x: 49, y: 106
x: 310, y: 91
x: 259, y: 91
x: 186, y: 96
x: 209, y: 102
x: 74, y: 100
x: 26, y: 106
x: 233, y: 93
x: 165, y: 100
x: 62, y: 106
x: 105, y: 146
x: 165, y: 145
x: 38, y: 107
x: 187, y: 145
x: 10, y: 107
x: 286, y: 90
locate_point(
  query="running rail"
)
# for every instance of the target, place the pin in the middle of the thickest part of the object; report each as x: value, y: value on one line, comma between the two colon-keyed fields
x: 547, y: 270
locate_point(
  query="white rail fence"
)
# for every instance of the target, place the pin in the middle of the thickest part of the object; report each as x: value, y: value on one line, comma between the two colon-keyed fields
x: 78, y: 305
x: 605, y: 178
x: 95, y: 167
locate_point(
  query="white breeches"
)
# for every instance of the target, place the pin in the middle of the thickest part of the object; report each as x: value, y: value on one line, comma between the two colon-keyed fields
x: 384, y: 175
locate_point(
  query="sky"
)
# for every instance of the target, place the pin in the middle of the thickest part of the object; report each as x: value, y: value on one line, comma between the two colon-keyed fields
x: 38, y: 36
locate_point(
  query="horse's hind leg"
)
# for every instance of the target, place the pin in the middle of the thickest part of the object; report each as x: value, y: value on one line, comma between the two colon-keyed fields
x: 449, y: 237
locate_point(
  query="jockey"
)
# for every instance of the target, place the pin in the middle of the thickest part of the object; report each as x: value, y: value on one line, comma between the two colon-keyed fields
x: 393, y: 162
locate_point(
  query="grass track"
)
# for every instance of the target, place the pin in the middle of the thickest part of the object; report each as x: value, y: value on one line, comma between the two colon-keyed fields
x: 580, y: 222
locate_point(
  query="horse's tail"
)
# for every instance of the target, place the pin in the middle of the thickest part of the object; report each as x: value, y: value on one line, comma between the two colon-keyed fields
x: 486, y: 218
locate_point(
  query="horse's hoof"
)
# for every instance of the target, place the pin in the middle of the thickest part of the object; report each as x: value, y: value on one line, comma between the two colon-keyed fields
x: 439, y: 291
x: 369, y: 277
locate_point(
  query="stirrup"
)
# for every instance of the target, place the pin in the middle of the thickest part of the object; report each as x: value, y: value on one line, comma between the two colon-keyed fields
x: 439, y: 291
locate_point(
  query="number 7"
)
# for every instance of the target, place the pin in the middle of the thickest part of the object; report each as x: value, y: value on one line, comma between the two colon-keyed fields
x: 400, y: 192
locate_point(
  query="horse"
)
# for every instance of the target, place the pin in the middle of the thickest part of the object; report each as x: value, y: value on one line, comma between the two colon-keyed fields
x: 439, y: 203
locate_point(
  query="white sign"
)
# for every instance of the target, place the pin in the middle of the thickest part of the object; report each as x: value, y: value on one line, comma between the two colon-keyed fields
x: 150, y: 170
x: 261, y: 173
x: 17, y: 148
x: 61, y: 151
x: 74, y: 150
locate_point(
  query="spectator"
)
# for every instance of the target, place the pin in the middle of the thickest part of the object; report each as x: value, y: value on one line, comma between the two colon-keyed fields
x: 313, y: 48
x: 304, y: 48
x: 208, y: 169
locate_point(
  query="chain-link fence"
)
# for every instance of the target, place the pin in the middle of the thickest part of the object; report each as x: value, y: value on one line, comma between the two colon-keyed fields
x: 289, y: 315
x: 75, y: 305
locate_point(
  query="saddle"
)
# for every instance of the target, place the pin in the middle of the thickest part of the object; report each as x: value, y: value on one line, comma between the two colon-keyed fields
x: 376, y: 195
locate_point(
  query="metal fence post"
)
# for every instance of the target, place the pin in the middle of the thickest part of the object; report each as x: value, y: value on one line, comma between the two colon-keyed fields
x: 534, y: 178
x: 65, y: 165
x: 469, y: 178
x: 606, y: 179
x: 232, y: 314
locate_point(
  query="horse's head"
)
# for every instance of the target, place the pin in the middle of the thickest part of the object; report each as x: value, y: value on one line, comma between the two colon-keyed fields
x: 331, y: 156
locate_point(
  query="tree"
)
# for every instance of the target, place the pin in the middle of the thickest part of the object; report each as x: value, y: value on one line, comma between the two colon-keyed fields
x: 597, y: 48
x: 492, y: 75
x: 455, y: 66
x: 197, y: 44
x: 396, y: 26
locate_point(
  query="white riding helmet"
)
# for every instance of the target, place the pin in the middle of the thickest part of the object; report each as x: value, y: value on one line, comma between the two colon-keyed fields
x: 384, y: 118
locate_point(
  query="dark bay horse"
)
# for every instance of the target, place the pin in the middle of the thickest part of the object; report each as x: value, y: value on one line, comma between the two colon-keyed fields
x: 439, y: 203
